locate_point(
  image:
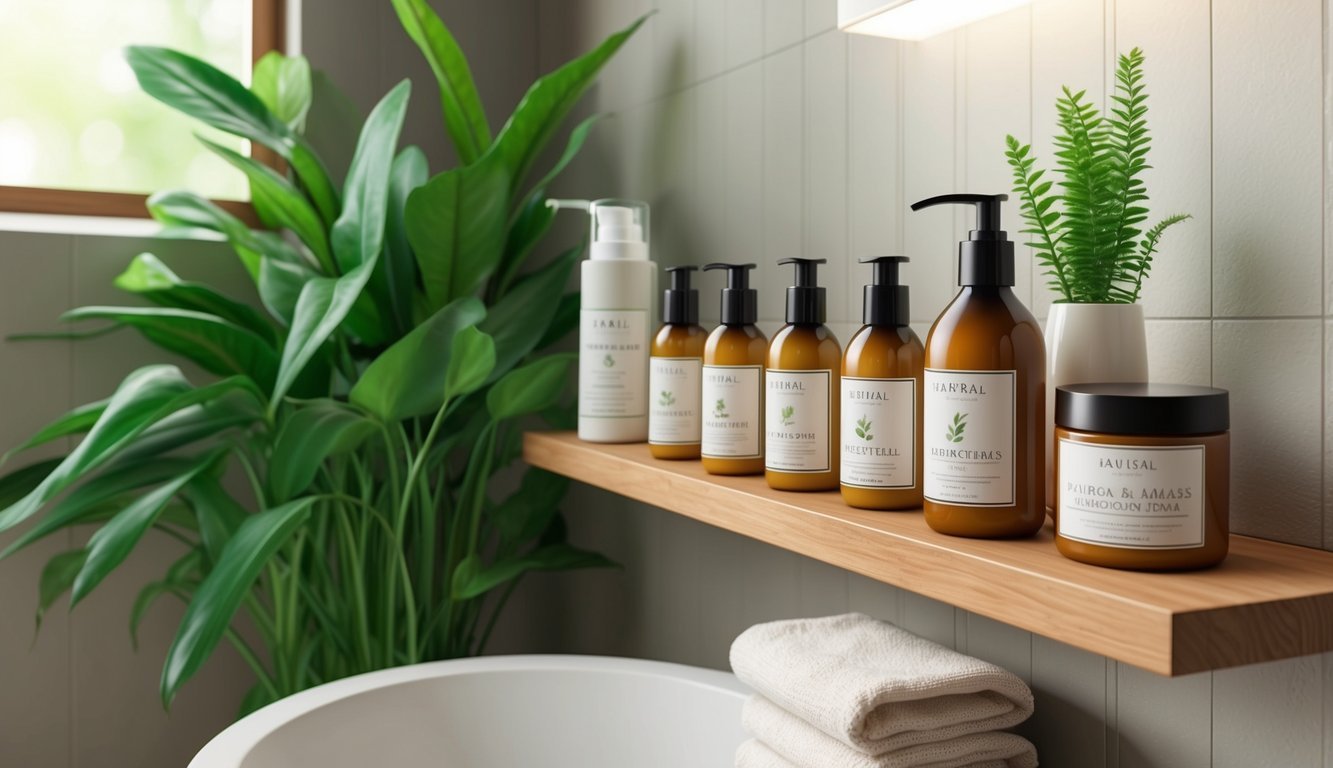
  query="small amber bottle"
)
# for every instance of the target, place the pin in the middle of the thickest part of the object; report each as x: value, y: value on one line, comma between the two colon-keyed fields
x: 801, y: 392
x: 881, y: 399
x: 733, y: 381
x: 675, y: 372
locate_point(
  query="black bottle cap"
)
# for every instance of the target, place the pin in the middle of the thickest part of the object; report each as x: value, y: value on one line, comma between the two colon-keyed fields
x: 740, y: 302
x: 1142, y: 409
x: 680, y: 302
x: 805, y: 299
x: 885, y: 298
x: 986, y: 257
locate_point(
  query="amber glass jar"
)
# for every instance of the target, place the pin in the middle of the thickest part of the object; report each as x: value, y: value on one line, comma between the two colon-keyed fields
x: 1143, y: 475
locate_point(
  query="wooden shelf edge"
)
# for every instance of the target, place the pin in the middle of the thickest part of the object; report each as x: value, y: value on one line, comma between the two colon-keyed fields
x: 1268, y: 601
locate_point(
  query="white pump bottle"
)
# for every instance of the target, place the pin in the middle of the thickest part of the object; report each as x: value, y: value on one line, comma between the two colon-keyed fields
x: 618, y: 289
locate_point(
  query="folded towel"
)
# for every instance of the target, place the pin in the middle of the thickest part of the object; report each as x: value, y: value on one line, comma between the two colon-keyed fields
x: 753, y: 754
x: 800, y: 745
x: 873, y: 686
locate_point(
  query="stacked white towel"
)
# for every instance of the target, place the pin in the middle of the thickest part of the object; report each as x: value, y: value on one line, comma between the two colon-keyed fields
x: 852, y: 692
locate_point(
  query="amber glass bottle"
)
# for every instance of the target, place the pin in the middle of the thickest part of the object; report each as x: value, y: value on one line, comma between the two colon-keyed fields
x: 881, y: 399
x: 801, y: 392
x: 985, y: 394
x: 675, y: 372
x: 733, y: 379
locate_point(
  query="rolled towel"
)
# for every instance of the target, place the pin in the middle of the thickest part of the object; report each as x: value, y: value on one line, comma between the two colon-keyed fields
x: 873, y: 686
x: 804, y: 746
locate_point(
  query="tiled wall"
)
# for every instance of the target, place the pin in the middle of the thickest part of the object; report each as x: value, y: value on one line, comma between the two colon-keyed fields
x: 758, y: 131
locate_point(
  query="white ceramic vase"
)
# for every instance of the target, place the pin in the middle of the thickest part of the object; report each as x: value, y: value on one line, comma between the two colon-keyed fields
x: 1090, y: 343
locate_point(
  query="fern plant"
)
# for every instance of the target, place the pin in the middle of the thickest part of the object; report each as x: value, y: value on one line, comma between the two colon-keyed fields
x: 1091, y: 243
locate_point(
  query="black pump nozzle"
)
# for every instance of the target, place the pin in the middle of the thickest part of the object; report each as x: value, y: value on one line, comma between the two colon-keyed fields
x: 986, y: 257
x: 740, y: 302
x: 886, y: 299
x: 680, y: 303
x: 805, y: 299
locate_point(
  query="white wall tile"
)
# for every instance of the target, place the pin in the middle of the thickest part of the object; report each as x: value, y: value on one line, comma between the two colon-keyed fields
x: 710, y: 39
x: 826, y: 165
x: 1268, y: 714
x: 1267, y: 123
x: 929, y: 236
x: 784, y: 177
x: 708, y: 197
x: 1328, y: 437
x: 1180, y: 351
x: 999, y: 643
x: 823, y: 588
x: 820, y: 16
x: 1272, y: 369
x: 874, y: 598
x: 874, y: 146
x: 1070, y: 687
x: 1163, y: 722
x: 744, y: 31
x: 722, y: 594
x: 928, y: 618
x: 743, y: 169
x: 674, y: 39
x: 784, y: 23
x: 1175, y: 38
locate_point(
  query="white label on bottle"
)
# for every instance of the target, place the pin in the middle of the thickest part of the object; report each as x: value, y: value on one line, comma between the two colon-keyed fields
x: 797, y: 416
x: 673, y: 400
x: 1131, y: 497
x: 612, y: 364
x: 878, y: 433
x: 969, y: 437
x: 731, y: 412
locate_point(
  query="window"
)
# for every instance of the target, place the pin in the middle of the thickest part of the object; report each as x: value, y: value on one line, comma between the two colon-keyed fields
x: 76, y: 133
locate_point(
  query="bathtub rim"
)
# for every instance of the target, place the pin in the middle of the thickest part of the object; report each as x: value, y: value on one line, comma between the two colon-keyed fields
x: 230, y: 747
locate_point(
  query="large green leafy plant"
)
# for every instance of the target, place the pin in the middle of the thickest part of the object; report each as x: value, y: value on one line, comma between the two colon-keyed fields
x: 365, y: 412
x: 1091, y: 243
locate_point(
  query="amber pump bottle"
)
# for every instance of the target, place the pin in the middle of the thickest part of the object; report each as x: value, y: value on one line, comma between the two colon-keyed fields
x: 675, y: 372
x: 881, y: 398
x: 801, y: 391
x: 985, y: 394
x: 733, y: 381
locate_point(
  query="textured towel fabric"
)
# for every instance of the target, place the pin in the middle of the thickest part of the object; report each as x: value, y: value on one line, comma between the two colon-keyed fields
x: 804, y: 746
x: 873, y: 686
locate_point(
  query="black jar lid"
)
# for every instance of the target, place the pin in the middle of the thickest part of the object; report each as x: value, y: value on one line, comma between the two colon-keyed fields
x: 1142, y: 409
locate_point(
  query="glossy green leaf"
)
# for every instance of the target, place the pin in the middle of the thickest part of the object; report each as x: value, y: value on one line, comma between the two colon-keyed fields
x: 275, y: 198
x: 207, y: 421
x: 210, y: 95
x: 148, y: 277
x: 111, y: 544
x: 282, y: 83
x: 144, y: 398
x: 464, y: 118
x: 531, y: 388
x: 57, y: 577
x: 529, y: 510
x: 21, y: 482
x: 358, y: 234
x: 218, y: 516
x: 408, y: 379
x: 280, y: 287
x: 518, y: 322
x: 189, y: 210
x: 395, y: 277
x: 471, y: 581
x: 76, y: 422
x: 214, y: 344
x: 546, y: 104
x: 222, y: 591
x: 470, y: 362
x: 181, y: 577
x: 563, y: 322
x: 456, y: 224
x: 315, y: 432
x: 321, y: 308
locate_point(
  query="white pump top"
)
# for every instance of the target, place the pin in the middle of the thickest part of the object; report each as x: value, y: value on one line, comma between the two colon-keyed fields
x: 619, y: 228
x: 616, y: 223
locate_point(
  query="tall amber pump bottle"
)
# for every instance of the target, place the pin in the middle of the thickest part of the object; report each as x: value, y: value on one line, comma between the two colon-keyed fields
x: 733, y: 386
x: 801, y: 392
x: 675, y: 372
x: 985, y: 394
x: 881, y: 398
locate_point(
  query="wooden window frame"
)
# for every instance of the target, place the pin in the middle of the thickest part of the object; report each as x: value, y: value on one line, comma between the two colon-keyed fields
x: 267, y: 32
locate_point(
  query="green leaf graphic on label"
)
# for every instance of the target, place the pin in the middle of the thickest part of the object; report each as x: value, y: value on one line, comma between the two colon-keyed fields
x: 720, y: 410
x: 666, y: 398
x: 609, y: 362
x: 863, y: 429
x: 954, y: 434
x: 787, y: 414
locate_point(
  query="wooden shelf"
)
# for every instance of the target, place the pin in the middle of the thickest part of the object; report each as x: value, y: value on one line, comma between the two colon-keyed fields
x: 1267, y: 601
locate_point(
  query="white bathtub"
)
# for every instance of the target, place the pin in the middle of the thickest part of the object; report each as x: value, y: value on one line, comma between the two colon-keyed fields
x: 497, y: 712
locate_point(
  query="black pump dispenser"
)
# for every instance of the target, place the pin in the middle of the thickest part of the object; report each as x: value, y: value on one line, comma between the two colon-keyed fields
x: 740, y: 302
x: 805, y: 299
x: 986, y: 257
x: 680, y: 302
x: 885, y: 298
